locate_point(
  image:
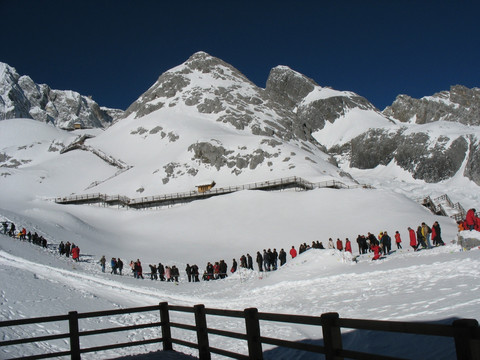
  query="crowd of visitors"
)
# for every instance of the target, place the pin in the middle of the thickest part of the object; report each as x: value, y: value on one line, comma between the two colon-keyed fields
x: 10, y: 229
x: 424, y: 237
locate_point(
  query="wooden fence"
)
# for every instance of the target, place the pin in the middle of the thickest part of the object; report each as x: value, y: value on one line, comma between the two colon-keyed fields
x: 184, y: 197
x: 465, y: 332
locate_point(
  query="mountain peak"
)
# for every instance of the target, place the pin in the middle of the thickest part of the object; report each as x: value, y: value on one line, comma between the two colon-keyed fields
x: 288, y: 86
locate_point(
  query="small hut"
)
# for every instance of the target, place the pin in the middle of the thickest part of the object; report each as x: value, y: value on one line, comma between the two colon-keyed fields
x: 201, y: 188
x: 77, y: 125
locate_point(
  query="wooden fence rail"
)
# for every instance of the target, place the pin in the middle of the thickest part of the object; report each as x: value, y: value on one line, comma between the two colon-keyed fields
x: 465, y: 333
x: 169, y: 199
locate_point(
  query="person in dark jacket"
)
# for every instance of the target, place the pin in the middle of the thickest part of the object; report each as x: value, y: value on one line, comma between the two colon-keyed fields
x: 249, y: 262
x: 386, y: 242
x: 437, y: 234
x: 259, y: 261
x: 119, y: 266
x: 67, y: 249
x: 113, y: 265
x: 420, y: 238
x: 266, y: 260
x: 282, y: 256
x: 243, y: 261
x: 188, y: 270
x: 234, y: 266
x: 195, y: 273
x: 175, y: 273
x: 223, y: 269
x: 161, y: 271
x: 275, y: 259
x: 153, y: 272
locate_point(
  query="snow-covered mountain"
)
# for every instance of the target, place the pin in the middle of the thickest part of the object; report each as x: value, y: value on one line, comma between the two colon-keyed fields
x: 21, y: 97
x: 411, y: 135
x: 200, y: 120
x: 291, y: 123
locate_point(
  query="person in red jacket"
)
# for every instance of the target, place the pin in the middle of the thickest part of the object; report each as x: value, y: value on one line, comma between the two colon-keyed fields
x: 348, y: 246
x: 76, y: 253
x: 413, y: 238
x: 376, y: 252
x: 470, y: 219
x: 339, y: 244
x: 293, y: 252
x: 398, y: 240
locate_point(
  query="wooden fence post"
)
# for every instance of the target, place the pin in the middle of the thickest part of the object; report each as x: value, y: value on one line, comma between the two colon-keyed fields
x: 332, y: 337
x: 466, y: 346
x: 253, y: 334
x: 202, y: 332
x: 74, y: 335
x: 166, y: 332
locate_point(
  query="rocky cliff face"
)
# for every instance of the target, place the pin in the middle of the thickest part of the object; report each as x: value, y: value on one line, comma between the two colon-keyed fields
x: 21, y: 97
x: 432, y: 159
x: 460, y: 104
x: 312, y: 104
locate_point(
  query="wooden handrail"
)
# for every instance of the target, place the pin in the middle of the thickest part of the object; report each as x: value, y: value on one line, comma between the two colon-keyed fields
x: 465, y: 332
x: 191, y: 195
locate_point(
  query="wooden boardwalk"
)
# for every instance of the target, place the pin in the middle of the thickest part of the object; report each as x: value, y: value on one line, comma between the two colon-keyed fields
x: 443, y: 206
x: 293, y: 182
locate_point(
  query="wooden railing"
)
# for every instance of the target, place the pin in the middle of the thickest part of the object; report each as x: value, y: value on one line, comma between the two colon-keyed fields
x: 156, y: 200
x: 465, y: 332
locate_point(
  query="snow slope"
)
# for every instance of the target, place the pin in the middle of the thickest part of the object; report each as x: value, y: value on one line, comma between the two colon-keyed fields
x: 440, y: 285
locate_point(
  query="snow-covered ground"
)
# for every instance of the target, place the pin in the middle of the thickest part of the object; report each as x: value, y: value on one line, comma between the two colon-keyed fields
x: 431, y: 285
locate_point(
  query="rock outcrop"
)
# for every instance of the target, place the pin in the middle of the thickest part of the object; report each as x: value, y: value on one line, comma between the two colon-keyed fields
x: 460, y: 104
x: 21, y: 97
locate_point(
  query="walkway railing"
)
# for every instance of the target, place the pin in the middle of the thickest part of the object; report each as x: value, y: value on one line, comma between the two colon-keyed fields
x: 465, y: 332
x: 158, y: 200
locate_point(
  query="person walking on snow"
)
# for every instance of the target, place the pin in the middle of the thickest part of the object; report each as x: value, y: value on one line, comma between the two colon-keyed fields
x: 103, y: 262
x: 420, y: 238
x: 330, y: 244
x: 413, y: 238
x: 119, y: 266
x: 436, y: 234
x: 386, y: 241
x: 259, y: 261
x: 398, y: 240
x: 348, y: 246
x: 339, y: 244
x: 426, y: 232
x: 113, y: 265
x: 76, y: 253
x: 293, y: 252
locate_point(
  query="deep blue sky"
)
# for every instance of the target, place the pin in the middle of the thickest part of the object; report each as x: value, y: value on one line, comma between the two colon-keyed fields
x: 115, y: 50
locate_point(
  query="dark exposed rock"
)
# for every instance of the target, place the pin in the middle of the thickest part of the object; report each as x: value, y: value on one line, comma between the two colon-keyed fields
x: 460, y: 104
x: 287, y: 86
x: 472, y: 168
x: 21, y: 97
x: 413, y: 152
x: 375, y: 147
